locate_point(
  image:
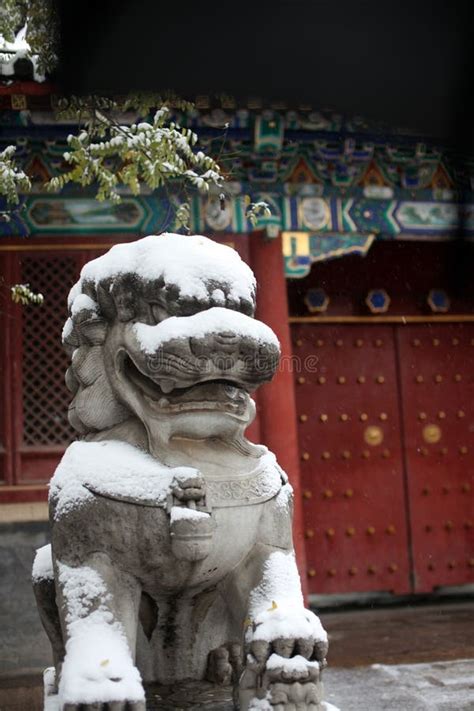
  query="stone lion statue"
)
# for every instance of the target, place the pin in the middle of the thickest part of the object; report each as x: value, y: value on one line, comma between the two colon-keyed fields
x: 171, y: 555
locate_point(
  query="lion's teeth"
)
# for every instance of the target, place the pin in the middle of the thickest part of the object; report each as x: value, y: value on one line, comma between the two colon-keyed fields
x: 163, y: 402
x: 231, y: 391
x: 167, y: 385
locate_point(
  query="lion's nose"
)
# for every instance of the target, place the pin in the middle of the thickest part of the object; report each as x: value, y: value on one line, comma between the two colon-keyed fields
x: 226, y: 340
x: 217, y: 343
x: 225, y: 335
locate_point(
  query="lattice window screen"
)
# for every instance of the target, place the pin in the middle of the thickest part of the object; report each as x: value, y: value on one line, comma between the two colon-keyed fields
x: 45, y: 396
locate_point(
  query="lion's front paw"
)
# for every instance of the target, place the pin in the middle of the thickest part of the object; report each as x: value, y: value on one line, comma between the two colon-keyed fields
x: 224, y: 664
x: 286, y: 633
x: 285, y: 653
x: 219, y: 668
x: 296, y: 696
x: 107, y: 706
x: 108, y: 681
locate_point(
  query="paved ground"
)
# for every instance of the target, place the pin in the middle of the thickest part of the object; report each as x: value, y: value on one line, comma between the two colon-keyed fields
x: 410, y: 658
x: 23, y: 642
x: 399, y: 635
x: 438, y: 686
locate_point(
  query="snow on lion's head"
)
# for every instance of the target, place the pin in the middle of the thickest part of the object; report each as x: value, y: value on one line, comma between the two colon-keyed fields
x: 161, y: 331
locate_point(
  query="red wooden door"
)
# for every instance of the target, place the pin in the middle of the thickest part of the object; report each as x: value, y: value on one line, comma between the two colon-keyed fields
x: 437, y: 378
x: 42, y: 427
x: 351, y: 458
x: 36, y: 430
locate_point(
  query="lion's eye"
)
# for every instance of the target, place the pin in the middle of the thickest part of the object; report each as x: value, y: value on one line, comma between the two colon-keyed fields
x: 159, y: 313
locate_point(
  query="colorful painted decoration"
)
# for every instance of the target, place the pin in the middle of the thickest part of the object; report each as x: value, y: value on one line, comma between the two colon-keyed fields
x: 218, y: 214
x: 378, y: 301
x: 430, y: 215
x: 66, y: 214
x: 345, y: 185
x: 314, y: 213
x: 316, y: 300
x: 269, y: 129
x: 438, y: 301
x: 334, y: 184
x: 301, y: 249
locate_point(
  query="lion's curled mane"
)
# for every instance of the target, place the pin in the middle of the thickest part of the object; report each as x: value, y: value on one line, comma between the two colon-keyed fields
x: 94, y: 304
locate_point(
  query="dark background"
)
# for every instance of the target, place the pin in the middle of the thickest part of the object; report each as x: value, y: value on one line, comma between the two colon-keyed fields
x: 407, y: 63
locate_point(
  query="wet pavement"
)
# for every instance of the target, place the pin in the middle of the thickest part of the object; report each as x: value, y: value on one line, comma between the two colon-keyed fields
x: 438, y: 686
x: 399, y: 635
x: 189, y: 697
x: 410, y: 658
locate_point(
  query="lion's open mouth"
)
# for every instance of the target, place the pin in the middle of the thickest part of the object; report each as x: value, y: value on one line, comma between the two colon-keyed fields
x: 222, y: 394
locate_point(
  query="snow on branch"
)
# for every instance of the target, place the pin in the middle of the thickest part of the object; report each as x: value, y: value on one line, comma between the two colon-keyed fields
x: 12, y: 178
x: 153, y: 153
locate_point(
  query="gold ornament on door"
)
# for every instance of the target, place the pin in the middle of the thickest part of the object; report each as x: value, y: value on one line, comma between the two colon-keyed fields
x: 373, y: 435
x: 432, y: 433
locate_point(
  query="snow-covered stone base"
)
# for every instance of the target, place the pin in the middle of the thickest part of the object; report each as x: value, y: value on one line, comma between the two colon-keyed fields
x: 51, y: 701
x: 205, y: 701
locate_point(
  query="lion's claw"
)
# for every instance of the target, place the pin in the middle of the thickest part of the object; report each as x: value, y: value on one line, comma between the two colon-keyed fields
x: 219, y: 668
x: 260, y: 650
x: 117, y: 706
x: 310, y: 649
x: 310, y: 641
x: 293, y: 697
x: 107, y: 706
x: 286, y: 667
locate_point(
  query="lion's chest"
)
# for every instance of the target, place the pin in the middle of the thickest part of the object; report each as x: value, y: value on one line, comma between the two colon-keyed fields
x: 149, y: 534
x: 138, y: 540
x: 233, y: 535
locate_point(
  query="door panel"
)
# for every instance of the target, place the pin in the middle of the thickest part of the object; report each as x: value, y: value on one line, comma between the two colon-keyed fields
x: 351, y: 458
x: 437, y: 379
x: 44, y: 430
